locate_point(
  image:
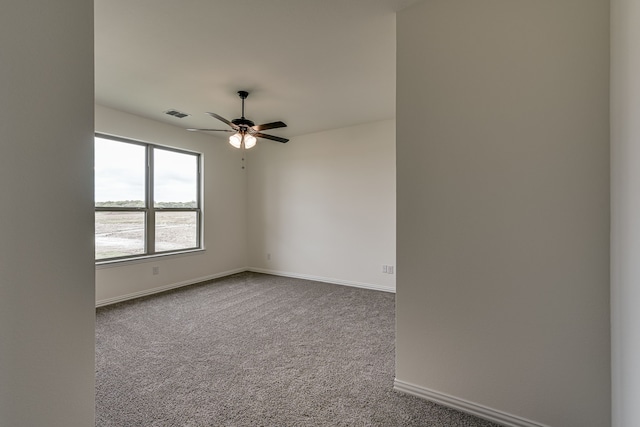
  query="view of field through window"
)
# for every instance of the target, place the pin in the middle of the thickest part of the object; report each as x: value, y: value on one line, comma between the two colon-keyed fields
x: 124, y: 218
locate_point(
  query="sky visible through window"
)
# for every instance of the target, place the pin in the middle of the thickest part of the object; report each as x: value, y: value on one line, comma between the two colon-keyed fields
x: 120, y: 173
x: 175, y: 176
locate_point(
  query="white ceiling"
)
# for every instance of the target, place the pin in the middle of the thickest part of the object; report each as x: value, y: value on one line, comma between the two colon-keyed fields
x: 314, y: 64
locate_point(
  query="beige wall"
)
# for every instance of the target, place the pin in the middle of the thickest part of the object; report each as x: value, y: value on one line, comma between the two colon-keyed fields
x: 625, y: 211
x: 503, y: 207
x: 46, y: 214
x: 224, y: 210
x: 323, y: 205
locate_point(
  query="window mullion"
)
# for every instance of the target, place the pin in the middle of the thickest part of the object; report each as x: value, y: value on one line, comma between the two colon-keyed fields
x: 151, y: 216
x: 199, y: 230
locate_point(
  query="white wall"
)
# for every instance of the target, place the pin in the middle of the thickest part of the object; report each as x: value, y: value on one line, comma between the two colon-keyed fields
x: 625, y: 211
x: 224, y: 209
x: 503, y: 218
x: 46, y: 214
x: 323, y: 205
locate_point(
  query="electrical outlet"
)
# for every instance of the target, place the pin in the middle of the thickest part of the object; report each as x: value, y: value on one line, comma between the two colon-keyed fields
x: 155, y: 271
x: 384, y: 268
x: 390, y: 269
x: 268, y: 257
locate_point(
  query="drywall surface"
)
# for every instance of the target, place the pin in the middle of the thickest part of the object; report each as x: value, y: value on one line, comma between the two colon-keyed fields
x: 46, y: 214
x: 224, y: 183
x: 625, y: 211
x: 323, y: 205
x: 503, y: 207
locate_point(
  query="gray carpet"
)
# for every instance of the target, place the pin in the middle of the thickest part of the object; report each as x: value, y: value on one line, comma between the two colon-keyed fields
x: 255, y: 350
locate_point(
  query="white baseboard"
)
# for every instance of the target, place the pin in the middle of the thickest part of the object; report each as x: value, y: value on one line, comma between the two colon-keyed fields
x: 462, y: 405
x: 323, y: 279
x: 108, y: 301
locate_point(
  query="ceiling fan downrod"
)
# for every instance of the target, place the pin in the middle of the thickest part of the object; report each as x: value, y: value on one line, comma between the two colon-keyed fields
x: 243, y: 122
x: 243, y: 95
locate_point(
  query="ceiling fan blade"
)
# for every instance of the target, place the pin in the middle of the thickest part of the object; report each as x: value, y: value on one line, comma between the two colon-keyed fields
x: 271, y: 137
x: 210, y: 130
x: 223, y: 120
x: 272, y: 125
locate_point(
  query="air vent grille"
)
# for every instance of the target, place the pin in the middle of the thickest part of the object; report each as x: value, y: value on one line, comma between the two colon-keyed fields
x: 176, y: 113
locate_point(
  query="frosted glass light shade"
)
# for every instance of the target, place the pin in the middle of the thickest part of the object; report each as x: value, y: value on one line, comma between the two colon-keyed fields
x: 235, y: 140
x: 249, y: 141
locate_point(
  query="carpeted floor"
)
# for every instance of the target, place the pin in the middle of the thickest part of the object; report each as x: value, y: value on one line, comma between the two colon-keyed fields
x: 255, y: 350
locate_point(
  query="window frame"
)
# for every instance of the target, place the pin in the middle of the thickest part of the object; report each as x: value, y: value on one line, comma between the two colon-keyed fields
x: 150, y: 210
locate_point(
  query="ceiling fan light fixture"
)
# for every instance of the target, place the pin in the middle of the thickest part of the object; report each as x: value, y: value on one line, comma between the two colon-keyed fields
x: 249, y: 141
x: 236, y: 140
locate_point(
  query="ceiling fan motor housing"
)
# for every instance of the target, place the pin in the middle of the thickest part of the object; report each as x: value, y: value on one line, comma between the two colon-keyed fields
x: 242, y: 122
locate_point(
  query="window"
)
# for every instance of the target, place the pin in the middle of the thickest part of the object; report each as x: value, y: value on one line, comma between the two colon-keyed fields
x: 147, y: 199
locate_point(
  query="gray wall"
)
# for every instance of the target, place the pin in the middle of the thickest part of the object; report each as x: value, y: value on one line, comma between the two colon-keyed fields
x: 46, y: 214
x: 503, y: 206
x: 625, y: 211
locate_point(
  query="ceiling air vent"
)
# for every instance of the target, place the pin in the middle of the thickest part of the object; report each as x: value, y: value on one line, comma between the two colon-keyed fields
x: 176, y: 113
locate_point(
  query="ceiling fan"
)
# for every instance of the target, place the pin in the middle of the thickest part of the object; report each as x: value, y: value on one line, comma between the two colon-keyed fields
x: 245, y: 130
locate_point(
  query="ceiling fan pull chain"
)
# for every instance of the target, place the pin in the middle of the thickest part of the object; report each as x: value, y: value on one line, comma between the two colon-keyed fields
x: 243, y: 150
